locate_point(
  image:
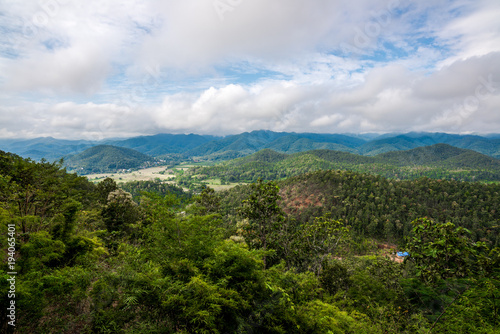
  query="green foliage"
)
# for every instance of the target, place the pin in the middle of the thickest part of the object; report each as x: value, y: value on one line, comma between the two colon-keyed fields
x: 264, y: 215
x: 235, y: 266
x: 335, y: 277
x: 120, y: 212
x: 107, y: 158
x: 319, y: 317
x: 41, y: 251
x: 96, y: 259
x: 208, y: 201
x: 440, y: 251
x: 138, y: 188
x: 104, y: 188
x: 439, y: 161
x: 321, y: 238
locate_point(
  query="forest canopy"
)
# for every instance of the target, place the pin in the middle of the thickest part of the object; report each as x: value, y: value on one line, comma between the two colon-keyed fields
x: 309, y: 254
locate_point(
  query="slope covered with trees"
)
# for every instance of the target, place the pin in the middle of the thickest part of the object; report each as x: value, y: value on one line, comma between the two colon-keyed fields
x: 107, y: 158
x: 484, y: 145
x: 95, y: 259
x: 436, y: 161
x: 377, y: 207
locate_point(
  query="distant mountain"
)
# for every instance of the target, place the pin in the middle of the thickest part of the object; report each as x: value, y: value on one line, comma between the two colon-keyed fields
x: 398, y: 143
x: 488, y: 146
x: 285, y: 142
x: 45, y: 147
x: 440, y: 155
x: 340, y: 157
x: 368, y: 136
x: 160, y: 144
x: 298, y: 143
x: 265, y: 155
x: 240, y: 145
x: 106, y: 158
x: 245, y: 143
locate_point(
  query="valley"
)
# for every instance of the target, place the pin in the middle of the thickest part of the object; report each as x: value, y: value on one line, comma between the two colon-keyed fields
x: 144, y: 174
x: 179, y: 241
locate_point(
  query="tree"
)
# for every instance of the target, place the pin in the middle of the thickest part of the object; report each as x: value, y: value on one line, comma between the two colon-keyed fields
x: 62, y: 231
x: 440, y: 251
x: 321, y: 238
x: 104, y: 188
x: 120, y: 211
x: 264, y: 215
x: 208, y: 201
x: 445, y: 257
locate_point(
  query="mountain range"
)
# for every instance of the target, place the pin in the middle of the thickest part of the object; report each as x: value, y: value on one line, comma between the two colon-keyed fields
x: 440, y: 161
x: 234, y: 146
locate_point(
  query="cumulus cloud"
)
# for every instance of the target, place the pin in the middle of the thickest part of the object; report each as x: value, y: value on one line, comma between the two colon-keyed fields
x: 98, y: 69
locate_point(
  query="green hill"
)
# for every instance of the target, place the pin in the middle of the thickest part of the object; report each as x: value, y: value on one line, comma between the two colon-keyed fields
x: 440, y: 161
x: 440, y: 155
x: 487, y: 146
x: 106, y: 158
x: 375, y: 206
x: 340, y: 157
x: 265, y: 155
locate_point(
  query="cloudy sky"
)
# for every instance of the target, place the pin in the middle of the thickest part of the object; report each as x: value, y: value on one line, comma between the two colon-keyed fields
x: 94, y: 69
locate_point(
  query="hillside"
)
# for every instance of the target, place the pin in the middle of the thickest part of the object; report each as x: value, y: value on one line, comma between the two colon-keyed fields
x: 106, y: 158
x: 435, y: 161
x: 309, y: 254
x: 488, y: 146
x: 440, y: 155
x: 245, y: 143
x: 265, y: 155
x: 375, y: 206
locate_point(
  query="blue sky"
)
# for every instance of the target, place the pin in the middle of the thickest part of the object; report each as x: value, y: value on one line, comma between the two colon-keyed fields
x: 93, y: 69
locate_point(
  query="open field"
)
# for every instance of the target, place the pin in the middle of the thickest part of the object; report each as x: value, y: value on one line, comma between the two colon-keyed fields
x: 153, y: 173
x: 146, y: 174
x: 216, y: 185
x: 219, y: 187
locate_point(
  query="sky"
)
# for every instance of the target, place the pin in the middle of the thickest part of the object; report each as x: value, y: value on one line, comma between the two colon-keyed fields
x: 121, y: 68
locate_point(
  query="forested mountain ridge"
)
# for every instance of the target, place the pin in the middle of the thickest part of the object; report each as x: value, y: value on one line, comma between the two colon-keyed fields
x: 263, y: 258
x: 487, y: 146
x: 229, y: 147
x: 106, y: 158
x: 377, y: 207
x: 251, y: 142
x: 436, y: 161
x: 383, y: 208
x: 161, y: 144
x: 440, y: 155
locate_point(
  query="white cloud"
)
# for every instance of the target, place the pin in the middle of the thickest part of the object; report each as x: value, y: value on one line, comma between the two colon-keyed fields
x: 98, y: 69
x: 475, y: 34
